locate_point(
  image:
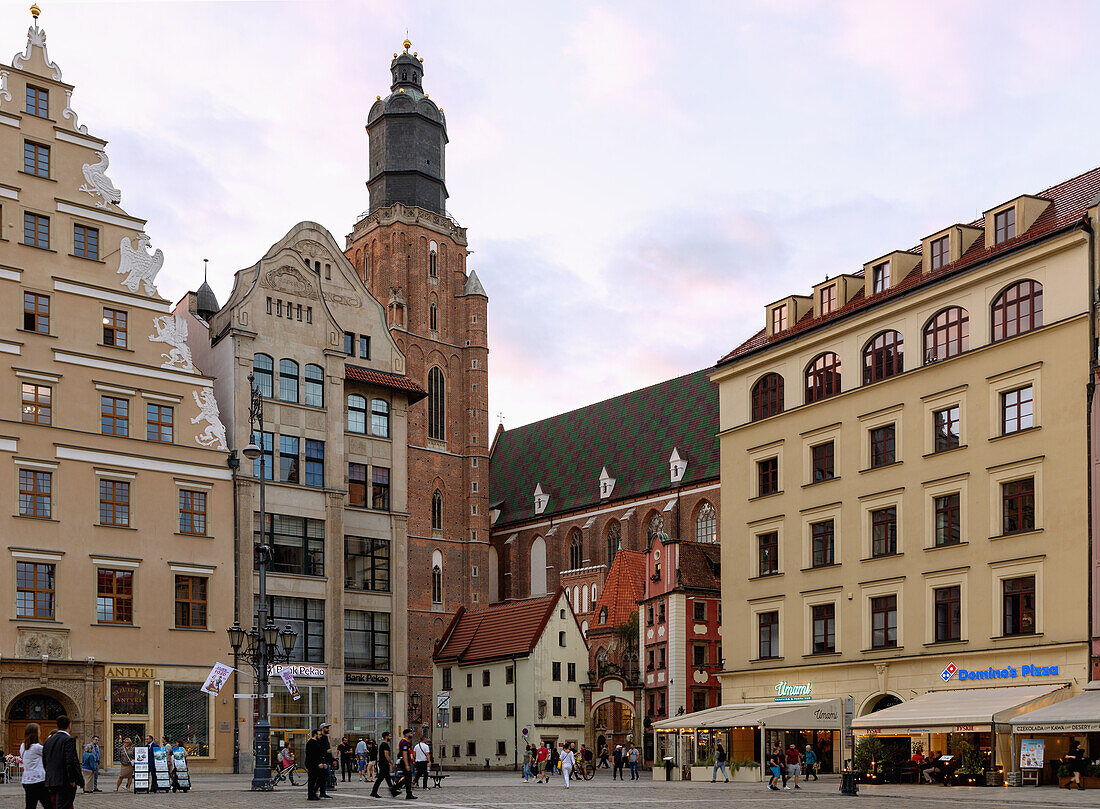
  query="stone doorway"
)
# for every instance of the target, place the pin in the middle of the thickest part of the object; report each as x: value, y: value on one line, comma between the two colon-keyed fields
x: 39, y: 707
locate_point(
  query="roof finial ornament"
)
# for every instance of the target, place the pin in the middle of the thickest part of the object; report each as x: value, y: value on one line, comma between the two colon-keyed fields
x: 35, y: 11
x: 205, y: 264
x: 407, y: 43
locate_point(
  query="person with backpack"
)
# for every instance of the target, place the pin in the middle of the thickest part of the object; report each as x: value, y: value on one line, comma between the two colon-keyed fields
x: 719, y: 764
x: 775, y: 767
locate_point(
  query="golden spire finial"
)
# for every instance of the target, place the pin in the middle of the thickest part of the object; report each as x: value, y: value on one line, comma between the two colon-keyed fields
x: 35, y: 11
x: 407, y: 45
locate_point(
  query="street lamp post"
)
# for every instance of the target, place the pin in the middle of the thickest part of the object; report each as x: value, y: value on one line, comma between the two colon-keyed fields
x: 265, y: 644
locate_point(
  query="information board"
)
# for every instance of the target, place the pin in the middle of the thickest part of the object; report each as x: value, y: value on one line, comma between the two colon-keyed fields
x: 141, y: 769
x: 1031, y: 754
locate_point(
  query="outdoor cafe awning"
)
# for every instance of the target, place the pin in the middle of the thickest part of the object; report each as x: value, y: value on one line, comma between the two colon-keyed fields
x: 804, y: 715
x: 961, y: 709
x: 1080, y: 714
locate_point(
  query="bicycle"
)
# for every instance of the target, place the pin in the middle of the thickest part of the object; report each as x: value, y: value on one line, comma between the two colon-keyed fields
x: 295, y: 774
x: 588, y: 771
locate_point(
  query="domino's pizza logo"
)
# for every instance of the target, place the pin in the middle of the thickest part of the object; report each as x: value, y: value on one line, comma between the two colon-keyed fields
x: 948, y: 672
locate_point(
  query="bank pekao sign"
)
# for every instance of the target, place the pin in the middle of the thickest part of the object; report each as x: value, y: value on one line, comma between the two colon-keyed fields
x: 1007, y: 673
x: 792, y: 692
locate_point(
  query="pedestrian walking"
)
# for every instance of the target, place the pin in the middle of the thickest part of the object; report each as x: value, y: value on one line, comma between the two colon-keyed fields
x: 87, y: 764
x: 422, y: 758
x: 126, y: 765
x: 568, y: 762
x: 775, y: 768
x: 62, y: 765
x: 605, y: 756
x: 382, y: 767
x: 317, y: 762
x: 405, y: 757
x: 719, y: 764
x: 617, y: 758
x: 361, y: 758
x: 794, y: 766
x: 372, y: 759
x: 34, y: 774
x: 810, y: 760
x: 632, y: 757
x: 346, y: 753
x: 542, y: 757
x: 98, y: 764
x: 1075, y: 762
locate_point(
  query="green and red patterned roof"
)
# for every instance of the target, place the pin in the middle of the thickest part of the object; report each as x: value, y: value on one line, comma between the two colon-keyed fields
x: 633, y: 435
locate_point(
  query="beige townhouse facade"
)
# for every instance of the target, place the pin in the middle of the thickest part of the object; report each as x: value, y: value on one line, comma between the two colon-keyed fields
x: 906, y: 452
x: 118, y: 513
x: 510, y: 675
x: 336, y: 405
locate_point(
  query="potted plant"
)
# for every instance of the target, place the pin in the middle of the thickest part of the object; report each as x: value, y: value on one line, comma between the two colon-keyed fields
x: 867, y: 759
x: 971, y: 771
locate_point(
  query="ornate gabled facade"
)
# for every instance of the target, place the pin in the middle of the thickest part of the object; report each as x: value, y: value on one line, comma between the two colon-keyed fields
x: 412, y: 255
x: 113, y: 458
x: 336, y: 409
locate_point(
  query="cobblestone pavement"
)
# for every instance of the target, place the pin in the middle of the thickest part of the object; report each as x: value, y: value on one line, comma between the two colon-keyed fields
x: 506, y: 791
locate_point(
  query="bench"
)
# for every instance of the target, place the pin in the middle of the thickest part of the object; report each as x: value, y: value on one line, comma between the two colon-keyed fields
x: 437, y: 779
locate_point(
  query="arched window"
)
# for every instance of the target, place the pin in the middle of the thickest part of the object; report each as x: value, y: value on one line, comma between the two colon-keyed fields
x: 357, y: 413
x: 437, y: 511
x: 314, y: 386
x: 1018, y: 310
x: 380, y: 418
x: 437, y: 578
x: 603, y: 615
x: 767, y: 396
x: 706, y: 524
x: 614, y: 539
x: 576, y: 551
x: 593, y: 595
x: 433, y: 318
x: 433, y: 261
x: 263, y: 369
x: 655, y: 526
x: 538, y: 566
x: 823, y: 377
x: 882, y: 358
x: 437, y: 405
x: 288, y: 380
x: 947, y: 334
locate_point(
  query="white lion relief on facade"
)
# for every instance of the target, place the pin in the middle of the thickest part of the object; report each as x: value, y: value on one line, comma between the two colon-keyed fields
x: 98, y: 184
x: 36, y: 38
x: 138, y: 265
x: 172, y: 329
x: 214, y: 434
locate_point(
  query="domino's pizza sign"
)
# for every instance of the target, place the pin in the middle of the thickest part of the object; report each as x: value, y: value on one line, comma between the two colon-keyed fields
x: 1007, y: 673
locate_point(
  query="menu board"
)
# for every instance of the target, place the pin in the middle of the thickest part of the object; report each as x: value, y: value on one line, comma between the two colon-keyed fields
x: 1031, y: 754
x: 141, y: 769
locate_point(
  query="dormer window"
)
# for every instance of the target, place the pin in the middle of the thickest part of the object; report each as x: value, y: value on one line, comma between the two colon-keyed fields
x: 779, y: 318
x: 941, y: 252
x: 828, y: 299
x: 1004, y: 225
x: 880, y: 277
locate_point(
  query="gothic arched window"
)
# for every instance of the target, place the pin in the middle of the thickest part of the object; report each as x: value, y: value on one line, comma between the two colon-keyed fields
x: 655, y: 526
x: 433, y: 317
x: 437, y: 511
x: 706, y: 524
x: 433, y: 260
x: 437, y: 577
x: 576, y: 551
x: 436, y: 405
x: 614, y: 538
x: 603, y: 615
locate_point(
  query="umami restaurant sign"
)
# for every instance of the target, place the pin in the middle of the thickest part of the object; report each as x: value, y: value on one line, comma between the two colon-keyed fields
x: 792, y: 692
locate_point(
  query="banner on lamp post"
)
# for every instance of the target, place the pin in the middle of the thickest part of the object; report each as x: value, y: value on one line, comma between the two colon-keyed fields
x: 291, y: 686
x: 216, y: 679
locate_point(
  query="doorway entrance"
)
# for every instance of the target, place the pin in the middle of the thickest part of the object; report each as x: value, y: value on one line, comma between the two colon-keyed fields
x: 36, y: 707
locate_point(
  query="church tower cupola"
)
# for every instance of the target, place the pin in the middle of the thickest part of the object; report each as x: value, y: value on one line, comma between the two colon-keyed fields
x: 408, y: 137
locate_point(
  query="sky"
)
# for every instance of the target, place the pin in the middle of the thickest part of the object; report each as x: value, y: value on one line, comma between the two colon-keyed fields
x: 638, y: 179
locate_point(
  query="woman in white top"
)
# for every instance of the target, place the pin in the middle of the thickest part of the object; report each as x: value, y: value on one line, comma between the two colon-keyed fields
x: 34, y: 774
x: 568, y: 759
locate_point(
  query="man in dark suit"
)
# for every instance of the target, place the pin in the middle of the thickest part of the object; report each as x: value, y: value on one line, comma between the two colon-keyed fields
x: 62, y: 766
x: 316, y: 765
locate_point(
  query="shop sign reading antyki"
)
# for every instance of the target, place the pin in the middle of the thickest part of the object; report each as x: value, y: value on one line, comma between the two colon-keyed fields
x: 1007, y: 673
x: 790, y: 692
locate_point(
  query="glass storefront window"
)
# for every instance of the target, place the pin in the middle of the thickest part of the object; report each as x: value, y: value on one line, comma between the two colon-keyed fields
x: 187, y: 717
x: 368, y: 713
x: 292, y: 720
x: 130, y: 697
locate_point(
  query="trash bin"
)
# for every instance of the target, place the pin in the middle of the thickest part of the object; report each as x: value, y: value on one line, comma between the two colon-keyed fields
x: 669, y: 764
x: 848, y: 785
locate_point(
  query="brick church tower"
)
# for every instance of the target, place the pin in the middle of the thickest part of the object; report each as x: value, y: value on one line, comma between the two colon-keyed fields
x: 412, y: 255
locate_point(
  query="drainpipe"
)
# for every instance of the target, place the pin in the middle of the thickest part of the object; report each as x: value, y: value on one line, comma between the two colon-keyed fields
x: 515, y: 715
x: 1090, y: 392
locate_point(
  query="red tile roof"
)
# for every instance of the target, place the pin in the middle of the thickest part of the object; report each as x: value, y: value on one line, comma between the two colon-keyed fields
x: 497, y: 632
x: 699, y: 566
x: 386, y: 380
x: 622, y: 589
x: 1069, y: 205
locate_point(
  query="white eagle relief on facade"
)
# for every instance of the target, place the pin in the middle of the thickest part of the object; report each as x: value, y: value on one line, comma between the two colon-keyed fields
x: 98, y: 184
x: 172, y: 329
x: 214, y: 434
x: 138, y: 265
